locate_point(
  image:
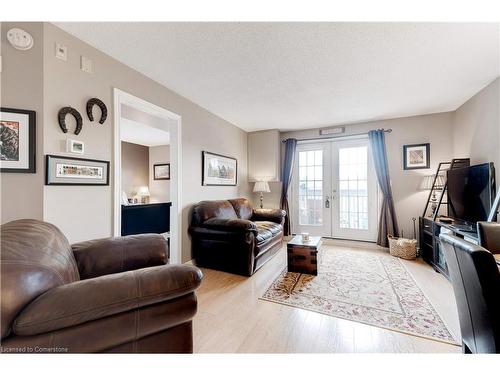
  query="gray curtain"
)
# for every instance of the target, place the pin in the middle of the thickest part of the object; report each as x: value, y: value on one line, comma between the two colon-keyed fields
x: 388, y: 223
x: 286, y: 178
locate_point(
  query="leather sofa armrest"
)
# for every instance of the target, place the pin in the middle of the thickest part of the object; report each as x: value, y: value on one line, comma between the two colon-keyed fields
x: 230, y: 225
x: 269, y: 214
x: 119, y: 254
x: 489, y: 236
x: 92, y: 299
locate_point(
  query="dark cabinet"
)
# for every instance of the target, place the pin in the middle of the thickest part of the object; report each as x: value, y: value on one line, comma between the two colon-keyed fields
x: 146, y: 218
x: 430, y: 245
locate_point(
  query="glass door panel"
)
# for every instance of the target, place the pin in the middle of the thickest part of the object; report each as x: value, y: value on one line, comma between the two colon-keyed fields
x: 354, y: 216
x: 309, y: 190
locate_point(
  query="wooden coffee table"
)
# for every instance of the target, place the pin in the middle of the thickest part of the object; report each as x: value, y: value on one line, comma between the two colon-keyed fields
x: 303, y: 256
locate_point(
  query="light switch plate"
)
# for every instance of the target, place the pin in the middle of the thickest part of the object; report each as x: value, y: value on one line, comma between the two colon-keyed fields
x: 86, y: 64
x: 61, y: 52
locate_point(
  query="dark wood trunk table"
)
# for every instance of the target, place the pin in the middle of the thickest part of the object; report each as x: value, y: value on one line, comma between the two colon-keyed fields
x: 303, y: 256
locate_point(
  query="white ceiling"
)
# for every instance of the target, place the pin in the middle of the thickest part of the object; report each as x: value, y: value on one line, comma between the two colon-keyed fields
x: 303, y: 75
x: 142, y: 128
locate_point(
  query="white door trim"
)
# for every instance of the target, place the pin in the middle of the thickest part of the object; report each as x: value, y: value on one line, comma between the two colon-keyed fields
x: 174, y: 122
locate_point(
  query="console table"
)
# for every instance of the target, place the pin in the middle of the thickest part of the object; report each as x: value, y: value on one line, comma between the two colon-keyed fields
x: 430, y: 245
x: 146, y: 218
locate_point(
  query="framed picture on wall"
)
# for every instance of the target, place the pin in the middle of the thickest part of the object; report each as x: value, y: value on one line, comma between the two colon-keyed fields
x: 75, y: 147
x: 161, y: 171
x: 63, y: 170
x: 219, y: 170
x: 17, y: 141
x: 417, y: 156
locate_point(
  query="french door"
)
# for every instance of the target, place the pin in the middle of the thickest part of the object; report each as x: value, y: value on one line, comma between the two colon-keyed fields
x: 334, y: 191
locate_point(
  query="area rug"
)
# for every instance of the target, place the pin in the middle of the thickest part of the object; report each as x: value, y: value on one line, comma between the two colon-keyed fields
x: 366, y: 287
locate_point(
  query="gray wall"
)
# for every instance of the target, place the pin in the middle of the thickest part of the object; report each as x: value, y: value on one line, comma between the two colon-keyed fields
x: 135, y: 168
x: 409, y: 199
x: 476, y: 127
x: 89, y: 209
x: 21, y: 87
x: 39, y: 81
x: 159, y: 189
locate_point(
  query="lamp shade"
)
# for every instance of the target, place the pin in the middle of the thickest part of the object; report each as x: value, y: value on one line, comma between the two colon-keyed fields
x: 440, y: 181
x: 261, y: 187
x: 428, y: 180
x: 143, y: 191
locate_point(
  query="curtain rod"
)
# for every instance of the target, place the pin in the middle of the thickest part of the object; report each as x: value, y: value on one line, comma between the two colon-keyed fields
x: 338, y: 136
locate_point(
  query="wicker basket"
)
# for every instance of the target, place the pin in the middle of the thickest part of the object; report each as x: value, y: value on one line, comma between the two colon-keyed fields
x: 402, y: 247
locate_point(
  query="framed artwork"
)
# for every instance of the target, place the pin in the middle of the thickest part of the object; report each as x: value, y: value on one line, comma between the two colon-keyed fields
x: 417, y: 156
x: 218, y: 170
x: 75, y: 147
x: 63, y: 170
x: 161, y: 171
x: 17, y: 141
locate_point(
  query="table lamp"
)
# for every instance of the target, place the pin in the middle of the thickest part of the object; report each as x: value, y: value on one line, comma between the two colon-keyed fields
x: 261, y: 187
x: 143, y: 192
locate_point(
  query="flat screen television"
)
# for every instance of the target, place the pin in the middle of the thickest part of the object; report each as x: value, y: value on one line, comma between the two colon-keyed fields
x: 471, y: 192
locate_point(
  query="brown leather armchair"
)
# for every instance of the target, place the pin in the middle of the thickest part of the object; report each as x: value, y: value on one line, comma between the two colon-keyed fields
x: 232, y: 236
x: 109, y: 295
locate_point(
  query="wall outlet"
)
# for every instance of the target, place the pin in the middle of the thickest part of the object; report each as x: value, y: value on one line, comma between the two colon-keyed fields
x: 86, y: 64
x: 61, y: 52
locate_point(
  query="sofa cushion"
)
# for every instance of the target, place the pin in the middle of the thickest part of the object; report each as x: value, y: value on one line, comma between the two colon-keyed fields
x: 242, y: 207
x: 274, y: 228
x: 263, y: 235
x: 230, y: 225
x: 208, y: 209
x: 267, y: 230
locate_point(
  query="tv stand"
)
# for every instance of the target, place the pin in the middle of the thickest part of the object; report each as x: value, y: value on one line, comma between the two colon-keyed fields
x: 430, y: 245
x: 464, y: 227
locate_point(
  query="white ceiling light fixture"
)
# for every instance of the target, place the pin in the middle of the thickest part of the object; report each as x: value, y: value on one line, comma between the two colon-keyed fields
x: 20, y: 39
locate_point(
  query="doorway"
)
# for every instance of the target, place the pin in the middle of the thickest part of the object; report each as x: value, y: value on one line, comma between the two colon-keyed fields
x: 170, y: 123
x: 334, y: 190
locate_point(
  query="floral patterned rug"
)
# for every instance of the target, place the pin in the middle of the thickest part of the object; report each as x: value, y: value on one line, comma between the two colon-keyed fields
x: 365, y: 287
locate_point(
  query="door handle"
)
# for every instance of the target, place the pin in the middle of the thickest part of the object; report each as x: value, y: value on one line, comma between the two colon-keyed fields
x: 327, y: 202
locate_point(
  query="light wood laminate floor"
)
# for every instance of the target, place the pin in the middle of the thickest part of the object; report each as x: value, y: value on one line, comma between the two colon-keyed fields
x: 232, y: 319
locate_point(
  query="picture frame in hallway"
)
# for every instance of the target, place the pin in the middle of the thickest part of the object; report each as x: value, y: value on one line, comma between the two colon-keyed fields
x: 64, y: 170
x: 17, y: 140
x: 161, y: 171
x: 219, y: 170
x: 417, y: 156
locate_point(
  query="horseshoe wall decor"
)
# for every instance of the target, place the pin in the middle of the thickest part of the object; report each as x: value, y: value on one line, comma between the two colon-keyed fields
x: 100, y: 104
x: 62, y: 119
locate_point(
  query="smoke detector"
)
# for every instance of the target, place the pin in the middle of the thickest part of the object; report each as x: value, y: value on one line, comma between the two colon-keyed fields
x: 20, y: 39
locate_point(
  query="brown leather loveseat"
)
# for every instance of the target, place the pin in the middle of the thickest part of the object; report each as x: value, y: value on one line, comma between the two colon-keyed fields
x: 109, y: 295
x: 232, y: 236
